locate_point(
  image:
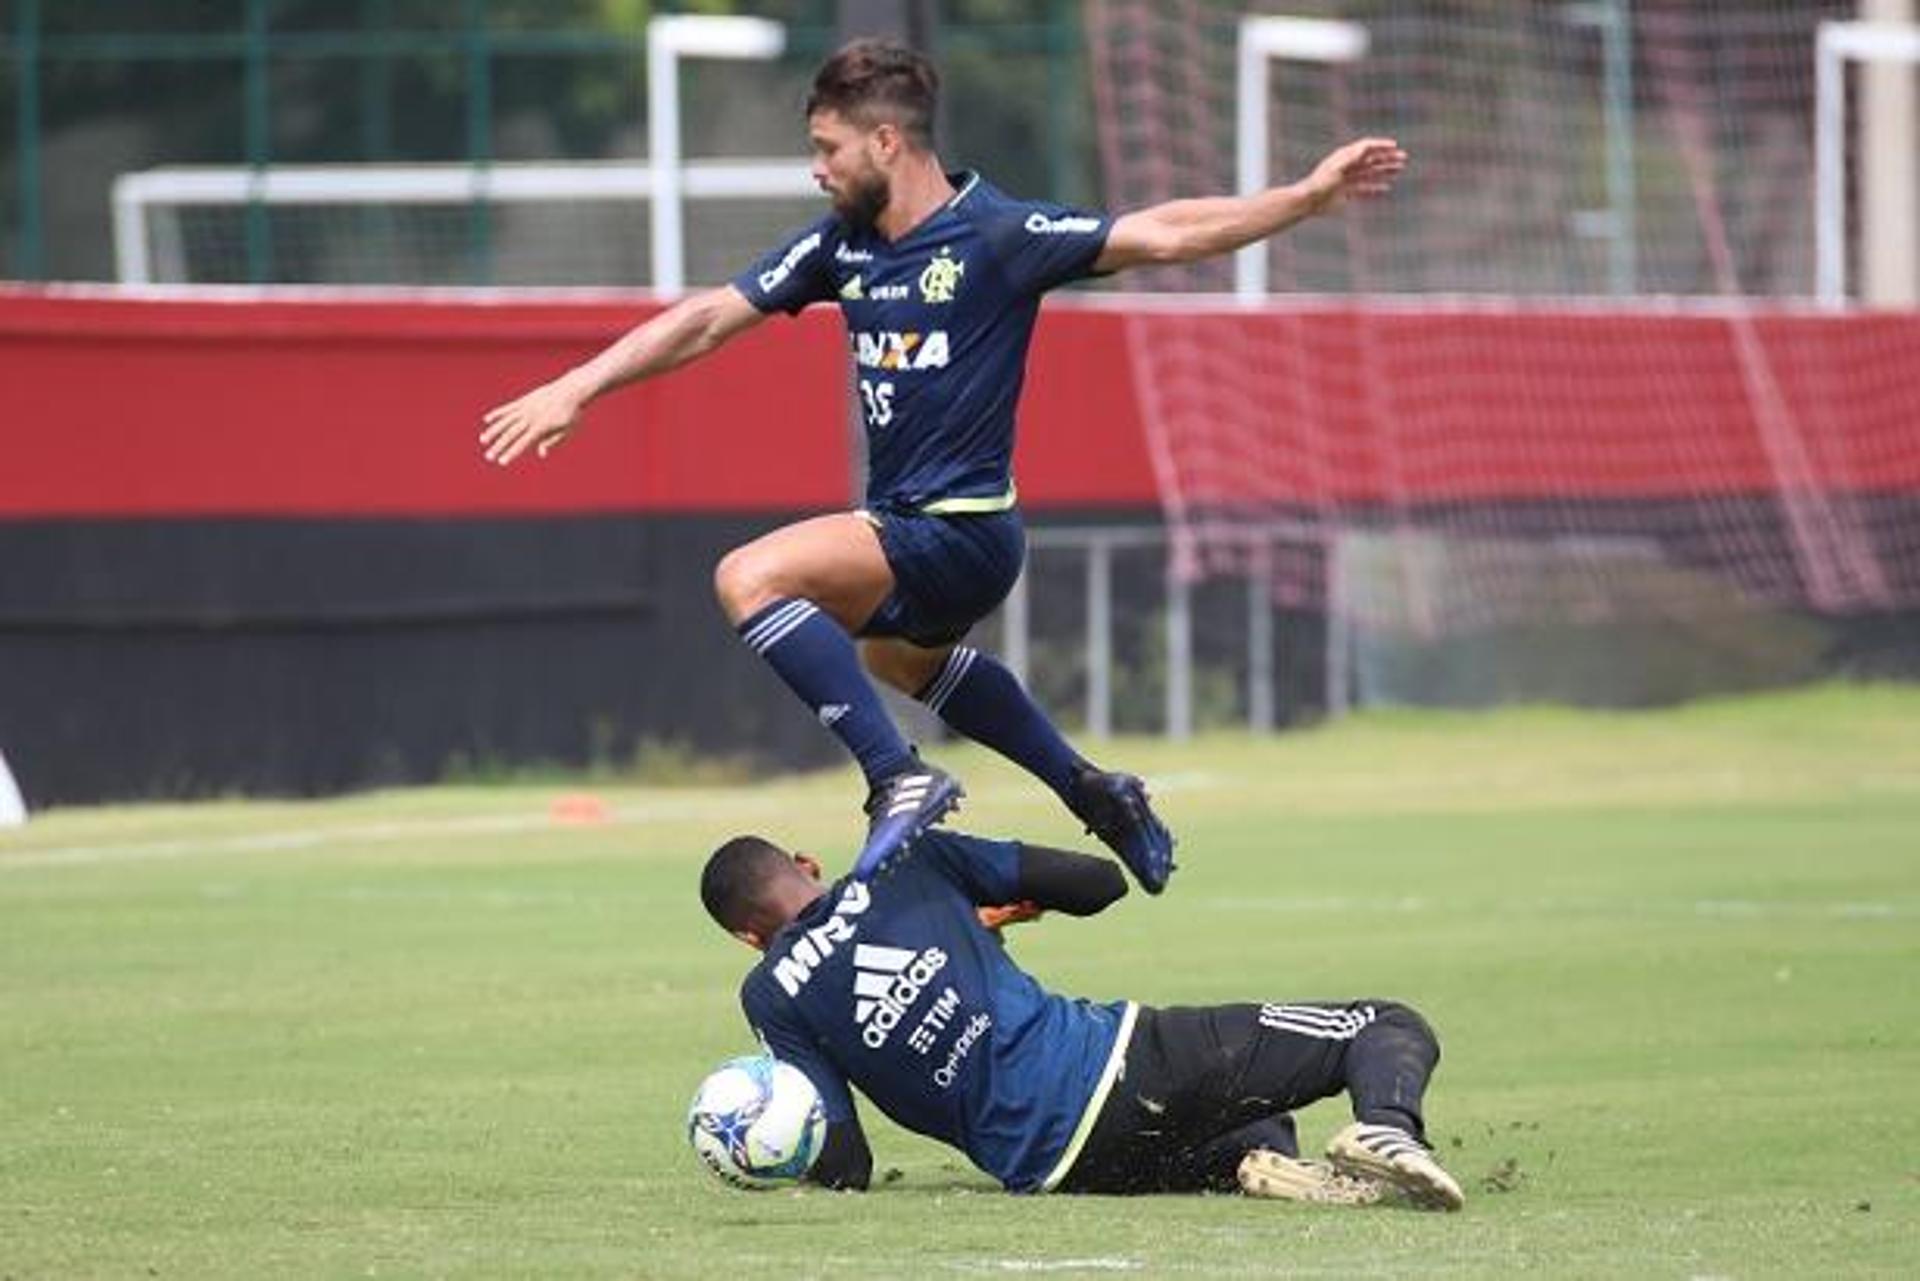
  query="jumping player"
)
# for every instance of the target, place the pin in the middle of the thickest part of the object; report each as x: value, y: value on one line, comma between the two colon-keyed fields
x: 895, y: 987
x: 939, y: 277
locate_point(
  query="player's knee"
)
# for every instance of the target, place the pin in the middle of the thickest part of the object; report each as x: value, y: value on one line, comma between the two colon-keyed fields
x: 744, y: 583
x: 1408, y: 1020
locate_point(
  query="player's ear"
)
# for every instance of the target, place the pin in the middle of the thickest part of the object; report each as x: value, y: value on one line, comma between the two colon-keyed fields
x: 808, y: 864
x: 885, y: 141
x: 751, y: 938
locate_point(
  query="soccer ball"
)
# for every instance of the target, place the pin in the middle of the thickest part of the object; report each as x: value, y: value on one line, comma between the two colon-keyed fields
x: 757, y: 1122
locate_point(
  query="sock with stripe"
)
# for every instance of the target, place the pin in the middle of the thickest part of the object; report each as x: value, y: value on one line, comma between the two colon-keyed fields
x: 817, y: 660
x: 982, y: 699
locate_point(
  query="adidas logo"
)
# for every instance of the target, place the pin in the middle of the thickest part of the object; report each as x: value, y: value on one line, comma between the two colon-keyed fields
x: 886, y: 983
x: 830, y: 713
x: 908, y: 794
x: 1387, y: 1142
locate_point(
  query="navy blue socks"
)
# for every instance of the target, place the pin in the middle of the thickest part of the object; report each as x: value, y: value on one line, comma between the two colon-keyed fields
x: 818, y: 661
x: 982, y: 700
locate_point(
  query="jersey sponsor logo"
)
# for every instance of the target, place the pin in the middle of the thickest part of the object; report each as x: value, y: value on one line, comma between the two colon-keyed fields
x: 811, y: 949
x: 887, y: 982
x: 948, y: 1072
x: 940, y: 1016
x: 891, y: 293
x: 941, y: 277
x: 889, y: 349
x: 934, y: 1021
x: 776, y: 276
x: 843, y: 254
x: 851, y: 291
x: 1039, y: 224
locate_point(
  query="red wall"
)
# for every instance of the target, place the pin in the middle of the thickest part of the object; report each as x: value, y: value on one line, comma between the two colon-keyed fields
x: 295, y: 408
x: 165, y: 408
x: 119, y: 407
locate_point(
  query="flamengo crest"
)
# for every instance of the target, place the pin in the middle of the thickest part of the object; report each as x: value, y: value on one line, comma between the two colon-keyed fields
x: 941, y: 277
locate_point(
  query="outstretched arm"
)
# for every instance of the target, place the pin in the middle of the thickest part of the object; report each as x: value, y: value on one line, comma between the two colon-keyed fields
x: 547, y: 415
x: 1189, y: 230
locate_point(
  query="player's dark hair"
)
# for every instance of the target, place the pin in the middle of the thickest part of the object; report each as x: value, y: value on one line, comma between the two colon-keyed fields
x: 734, y: 877
x: 873, y: 82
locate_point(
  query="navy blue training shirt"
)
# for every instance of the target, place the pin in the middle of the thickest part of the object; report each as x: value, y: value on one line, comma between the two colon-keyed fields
x: 938, y: 323
x: 896, y: 988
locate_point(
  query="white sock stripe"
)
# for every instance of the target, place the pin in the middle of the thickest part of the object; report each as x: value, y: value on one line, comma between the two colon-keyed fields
x: 955, y: 670
x: 784, y: 615
x: 780, y: 614
x: 951, y: 675
x: 785, y: 629
x: 783, y: 633
x: 760, y: 630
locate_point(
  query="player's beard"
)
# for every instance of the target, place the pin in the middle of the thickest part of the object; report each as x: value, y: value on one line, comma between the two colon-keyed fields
x: 864, y: 199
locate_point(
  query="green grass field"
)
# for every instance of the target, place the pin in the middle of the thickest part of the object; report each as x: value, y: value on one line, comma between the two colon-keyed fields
x: 1674, y: 959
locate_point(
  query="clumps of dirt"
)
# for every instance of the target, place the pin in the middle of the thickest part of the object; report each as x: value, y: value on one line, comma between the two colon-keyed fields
x: 1504, y: 1177
x: 1507, y: 1174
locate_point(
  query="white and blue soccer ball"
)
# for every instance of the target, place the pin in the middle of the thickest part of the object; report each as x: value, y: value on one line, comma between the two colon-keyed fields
x: 757, y: 1122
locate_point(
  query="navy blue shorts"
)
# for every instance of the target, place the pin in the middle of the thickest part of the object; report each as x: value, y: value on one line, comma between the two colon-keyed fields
x: 949, y: 572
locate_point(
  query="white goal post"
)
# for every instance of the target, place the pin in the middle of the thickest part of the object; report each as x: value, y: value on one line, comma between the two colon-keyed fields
x: 142, y: 202
x: 13, y: 809
x: 1261, y: 41
x: 1840, y: 43
x: 665, y: 181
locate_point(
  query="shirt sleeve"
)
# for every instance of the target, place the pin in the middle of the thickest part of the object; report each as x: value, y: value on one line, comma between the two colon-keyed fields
x: 789, y: 1041
x: 988, y: 872
x: 794, y: 274
x: 1041, y: 246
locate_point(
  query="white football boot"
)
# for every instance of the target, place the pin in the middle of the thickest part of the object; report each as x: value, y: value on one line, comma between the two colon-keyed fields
x: 1390, y: 1155
x: 1268, y: 1174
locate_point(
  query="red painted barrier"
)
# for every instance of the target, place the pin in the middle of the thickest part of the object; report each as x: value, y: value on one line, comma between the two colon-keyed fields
x: 373, y: 409
x: 331, y: 406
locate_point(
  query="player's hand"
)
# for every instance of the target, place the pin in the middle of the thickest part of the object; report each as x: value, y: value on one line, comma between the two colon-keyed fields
x: 541, y: 421
x: 998, y: 918
x: 1358, y: 171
